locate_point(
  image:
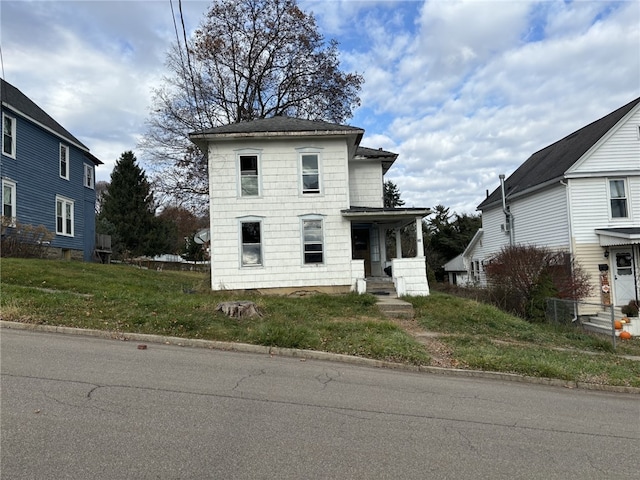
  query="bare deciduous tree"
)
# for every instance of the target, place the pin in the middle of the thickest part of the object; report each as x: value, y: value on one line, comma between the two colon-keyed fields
x: 249, y: 59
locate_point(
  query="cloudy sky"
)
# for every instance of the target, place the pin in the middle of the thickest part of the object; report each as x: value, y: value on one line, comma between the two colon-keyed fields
x: 461, y: 90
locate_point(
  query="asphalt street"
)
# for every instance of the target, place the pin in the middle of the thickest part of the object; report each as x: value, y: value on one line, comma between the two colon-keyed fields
x: 77, y: 407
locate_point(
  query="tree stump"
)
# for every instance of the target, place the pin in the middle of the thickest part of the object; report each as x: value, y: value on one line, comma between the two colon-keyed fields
x: 240, y: 309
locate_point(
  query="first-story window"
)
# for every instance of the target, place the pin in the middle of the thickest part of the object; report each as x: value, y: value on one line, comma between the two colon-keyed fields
x: 64, y: 161
x: 251, y: 243
x: 9, y: 202
x: 313, y: 242
x: 88, y: 176
x: 64, y: 216
x: 618, y: 198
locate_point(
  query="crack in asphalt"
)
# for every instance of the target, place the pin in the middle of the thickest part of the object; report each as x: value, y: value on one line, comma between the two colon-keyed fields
x: 344, y: 410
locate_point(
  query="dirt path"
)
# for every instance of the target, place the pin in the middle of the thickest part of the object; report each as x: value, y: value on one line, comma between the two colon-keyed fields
x: 441, y: 354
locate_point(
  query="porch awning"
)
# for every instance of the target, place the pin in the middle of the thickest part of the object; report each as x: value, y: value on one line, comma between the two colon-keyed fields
x: 385, y: 215
x: 610, y: 237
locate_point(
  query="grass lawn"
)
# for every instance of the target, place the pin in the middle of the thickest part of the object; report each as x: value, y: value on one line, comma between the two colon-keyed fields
x: 126, y: 299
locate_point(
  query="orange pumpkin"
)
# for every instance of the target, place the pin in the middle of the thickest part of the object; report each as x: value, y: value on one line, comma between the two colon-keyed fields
x: 625, y: 335
x: 617, y: 324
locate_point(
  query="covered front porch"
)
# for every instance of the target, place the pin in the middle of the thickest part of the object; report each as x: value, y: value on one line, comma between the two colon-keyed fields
x: 370, y: 259
x: 621, y: 251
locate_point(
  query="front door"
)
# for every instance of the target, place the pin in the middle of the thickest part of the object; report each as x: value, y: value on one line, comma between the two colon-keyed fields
x: 361, y: 248
x: 624, y: 273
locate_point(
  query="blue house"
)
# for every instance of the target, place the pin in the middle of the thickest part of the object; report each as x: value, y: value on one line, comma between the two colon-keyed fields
x: 48, y: 176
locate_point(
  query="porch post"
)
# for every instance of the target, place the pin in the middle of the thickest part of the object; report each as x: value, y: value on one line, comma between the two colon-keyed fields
x: 419, y: 247
x: 398, y: 243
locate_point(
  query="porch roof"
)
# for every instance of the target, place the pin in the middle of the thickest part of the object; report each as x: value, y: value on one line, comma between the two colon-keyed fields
x: 618, y: 236
x: 384, y: 215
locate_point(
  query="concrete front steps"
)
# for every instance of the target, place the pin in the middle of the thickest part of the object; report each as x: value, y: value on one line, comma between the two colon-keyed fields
x: 388, y: 302
x: 601, y: 323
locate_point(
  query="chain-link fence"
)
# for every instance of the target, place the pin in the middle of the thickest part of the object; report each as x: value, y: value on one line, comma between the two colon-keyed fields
x: 594, y: 317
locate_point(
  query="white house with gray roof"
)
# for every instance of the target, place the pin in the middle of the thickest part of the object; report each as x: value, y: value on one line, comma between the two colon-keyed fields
x: 581, y: 195
x: 297, y: 205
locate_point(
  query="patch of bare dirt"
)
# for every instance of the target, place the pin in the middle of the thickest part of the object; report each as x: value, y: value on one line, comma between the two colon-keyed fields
x: 441, y: 354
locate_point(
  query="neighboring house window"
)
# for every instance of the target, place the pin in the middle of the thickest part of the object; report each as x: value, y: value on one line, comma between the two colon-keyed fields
x: 64, y: 161
x: 618, y: 198
x: 310, y: 169
x: 312, y: 240
x: 9, y: 202
x: 249, y: 177
x: 9, y: 136
x: 251, y: 243
x: 64, y: 216
x: 88, y: 176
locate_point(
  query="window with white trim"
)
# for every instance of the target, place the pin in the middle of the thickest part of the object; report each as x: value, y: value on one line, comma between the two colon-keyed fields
x: 8, y: 136
x: 64, y: 161
x: 310, y: 172
x: 618, y: 198
x: 9, y: 201
x: 249, y: 175
x: 88, y: 176
x: 64, y: 216
x: 251, y: 240
x: 312, y: 240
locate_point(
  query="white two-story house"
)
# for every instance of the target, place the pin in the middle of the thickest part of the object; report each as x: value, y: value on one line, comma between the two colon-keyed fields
x: 581, y: 195
x: 297, y: 205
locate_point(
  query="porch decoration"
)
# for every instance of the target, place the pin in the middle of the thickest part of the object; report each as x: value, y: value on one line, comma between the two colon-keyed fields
x: 625, y: 335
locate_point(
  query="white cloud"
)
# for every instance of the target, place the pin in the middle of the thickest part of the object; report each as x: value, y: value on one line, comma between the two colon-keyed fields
x: 461, y: 90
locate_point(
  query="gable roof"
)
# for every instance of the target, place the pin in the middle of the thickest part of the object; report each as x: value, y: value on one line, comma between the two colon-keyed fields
x: 17, y: 101
x: 553, y: 161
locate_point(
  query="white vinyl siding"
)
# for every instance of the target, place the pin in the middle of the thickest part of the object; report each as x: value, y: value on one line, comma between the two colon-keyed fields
x: 617, y: 151
x: 8, y: 136
x: 366, y: 184
x: 280, y: 208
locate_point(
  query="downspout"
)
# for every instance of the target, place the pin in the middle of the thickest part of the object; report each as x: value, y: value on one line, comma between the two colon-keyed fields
x: 507, y: 213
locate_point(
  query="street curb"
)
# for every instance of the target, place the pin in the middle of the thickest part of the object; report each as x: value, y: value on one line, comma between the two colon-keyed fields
x: 311, y: 355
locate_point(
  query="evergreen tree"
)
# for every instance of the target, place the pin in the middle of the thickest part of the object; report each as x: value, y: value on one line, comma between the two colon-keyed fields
x: 128, y: 209
x: 392, y: 195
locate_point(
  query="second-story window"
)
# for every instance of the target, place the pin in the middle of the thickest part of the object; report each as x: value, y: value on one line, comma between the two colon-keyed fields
x: 618, y: 198
x: 310, y: 168
x: 249, y: 179
x: 64, y: 161
x: 88, y: 176
x: 9, y: 136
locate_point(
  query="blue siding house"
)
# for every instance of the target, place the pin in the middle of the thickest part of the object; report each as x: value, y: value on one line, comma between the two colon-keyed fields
x: 48, y: 176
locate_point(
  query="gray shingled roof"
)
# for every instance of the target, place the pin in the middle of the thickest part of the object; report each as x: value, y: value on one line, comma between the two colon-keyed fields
x: 552, y: 162
x: 278, y: 125
x: 386, y: 158
x: 17, y: 100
